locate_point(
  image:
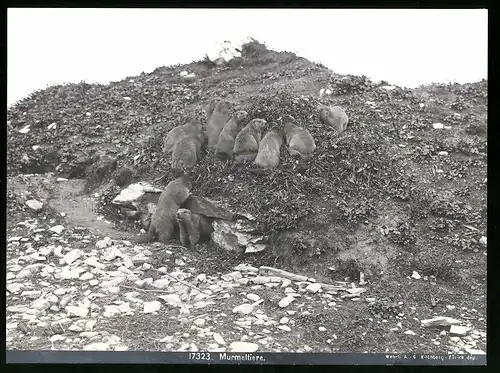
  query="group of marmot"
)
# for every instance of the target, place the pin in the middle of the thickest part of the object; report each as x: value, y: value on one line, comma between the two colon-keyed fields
x: 228, y: 137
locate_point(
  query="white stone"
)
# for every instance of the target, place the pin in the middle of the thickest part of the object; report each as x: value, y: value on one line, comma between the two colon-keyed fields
x: 284, y: 320
x: 134, y: 192
x: 161, y: 283
x: 285, y: 328
x: 25, y: 273
x: 25, y: 129
x: 41, y: 304
x: 409, y: 332
x: 313, y: 288
x: 151, y: 307
x: 96, y: 347
x: 438, y: 126
x: 77, y: 311
x: 199, y: 322
x: 218, y: 338
x: 415, y: 275
x: 459, y: 330
x: 244, y: 309
x: 322, y: 329
x: 57, y: 338
x: 243, y: 347
x: 34, y: 204
x: 473, y: 351
x: 57, y: 229
x: 73, y: 255
x: 75, y: 328
x: 440, y: 321
x: 102, y: 244
x: 483, y: 240
x: 173, y: 300
x: 285, y: 302
x: 110, y: 311
x: 52, y: 126
x: 253, y: 297
x: 86, y: 276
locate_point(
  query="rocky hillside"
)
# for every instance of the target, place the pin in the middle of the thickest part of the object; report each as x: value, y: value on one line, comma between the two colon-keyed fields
x: 399, y: 197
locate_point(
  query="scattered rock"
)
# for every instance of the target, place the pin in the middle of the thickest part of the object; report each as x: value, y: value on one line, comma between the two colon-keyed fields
x: 415, y: 275
x: 73, y: 255
x: 218, y: 338
x: 57, y: 229
x: 285, y: 302
x: 440, y: 321
x: 243, y: 347
x: 97, y: 347
x: 151, y: 307
x: 459, y: 330
x: 77, y: 311
x: 133, y: 193
x: 34, y: 205
x: 313, y: 288
x: 253, y: 297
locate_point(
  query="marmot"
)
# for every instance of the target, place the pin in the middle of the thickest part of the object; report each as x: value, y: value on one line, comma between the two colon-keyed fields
x: 193, y: 128
x: 268, y: 156
x: 217, y: 121
x: 229, y: 132
x: 192, y: 227
x: 210, y: 107
x: 124, y: 176
x: 164, y: 219
x: 186, y: 152
x: 333, y: 116
x: 299, y: 140
x: 246, y: 144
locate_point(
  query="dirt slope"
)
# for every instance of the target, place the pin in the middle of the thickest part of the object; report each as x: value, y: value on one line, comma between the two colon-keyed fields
x: 395, y: 194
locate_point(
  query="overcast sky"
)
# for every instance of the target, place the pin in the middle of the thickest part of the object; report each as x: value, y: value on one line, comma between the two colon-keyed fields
x: 404, y: 47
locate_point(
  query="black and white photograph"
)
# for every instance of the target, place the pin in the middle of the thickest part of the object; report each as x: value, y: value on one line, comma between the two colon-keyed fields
x: 228, y: 183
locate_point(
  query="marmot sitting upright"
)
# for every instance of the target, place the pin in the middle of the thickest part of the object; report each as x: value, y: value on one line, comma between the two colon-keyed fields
x: 193, y: 128
x: 192, y: 228
x: 229, y: 132
x: 299, y: 140
x: 210, y: 107
x: 268, y: 156
x: 217, y: 121
x: 186, y: 152
x: 164, y: 218
x: 333, y: 116
x: 246, y: 144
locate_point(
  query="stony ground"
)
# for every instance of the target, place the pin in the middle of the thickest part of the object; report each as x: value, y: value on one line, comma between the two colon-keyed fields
x: 386, y: 223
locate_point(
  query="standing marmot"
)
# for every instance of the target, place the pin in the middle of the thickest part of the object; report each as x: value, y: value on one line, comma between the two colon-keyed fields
x: 246, y: 144
x: 192, y: 227
x: 299, y: 140
x: 217, y: 121
x: 210, y: 107
x: 333, y: 116
x: 164, y: 218
x: 229, y: 132
x: 193, y: 128
x: 186, y: 152
x: 268, y: 156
